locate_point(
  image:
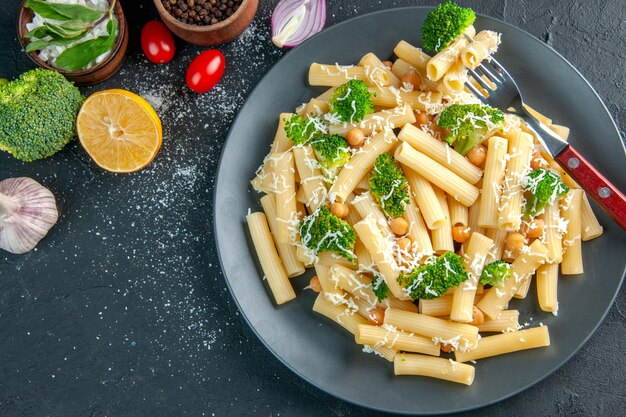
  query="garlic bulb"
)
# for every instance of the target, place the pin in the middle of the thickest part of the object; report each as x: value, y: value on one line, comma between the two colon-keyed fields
x: 27, y: 211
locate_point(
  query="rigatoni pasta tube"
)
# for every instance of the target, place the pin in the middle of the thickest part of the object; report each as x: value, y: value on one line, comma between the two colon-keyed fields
x: 394, y: 339
x: 455, y: 77
x: 412, y: 55
x: 376, y: 245
x: 499, y: 237
x: 286, y: 250
x: 459, y: 335
x: 365, y: 206
x: 507, y: 343
x: 285, y: 197
x: 442, y: 236
x: 351, y: 173
x: 572, y: 263
x: 510, y: 213
x: 334, y: 75
x: 426, y: 199
x: 417, y: 229
x: 273, y: 269
x: 474, y: 261
x: 590, y: 227
x: 393, y: 97
x: 421, y: 365
x: 377, y: 122
x: 354, y: 283
x: 485, y: 43
x: 459, y: 214
x: 281, y: 142
x: 330, y: 259
x: 326, y: 282
x: 438, y: 65
x: 552, y: 235
x: 311, y: 179
x: 442, y: 306
x: 436, y: 173
x: 440, y: 152
x: 547, y: 283
x: 496, y: 298
x: 507, y: 321
x: 495, y: 166
x: 314, y: 106
x: 372, y: 63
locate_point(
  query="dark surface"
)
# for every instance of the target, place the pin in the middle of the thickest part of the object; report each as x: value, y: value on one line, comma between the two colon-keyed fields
x: 322, y: 352
x: 122, y: 310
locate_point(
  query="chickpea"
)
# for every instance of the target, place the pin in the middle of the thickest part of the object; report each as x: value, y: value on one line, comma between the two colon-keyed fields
x: 376, y: 316
x: 514, y: 241
x: 413, y: 78
x: 477, y: 155
x: 314, y: 284
x: 435, y: 130
x: 477, y: 317
x: 422, y: 118
x: 355, y: 137
x: 538, y: 161
x: 445, y: 347
x: 399, y: 226
x: 404, y: 243
x: 461, y: 233
x: 340, y: 210
x: 535, y: 228
x: 388, y: 64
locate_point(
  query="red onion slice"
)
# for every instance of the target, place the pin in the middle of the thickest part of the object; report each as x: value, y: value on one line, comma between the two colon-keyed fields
x: 294, y: 21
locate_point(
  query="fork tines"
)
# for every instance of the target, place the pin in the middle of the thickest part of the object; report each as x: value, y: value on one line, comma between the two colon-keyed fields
x: 492, y: 71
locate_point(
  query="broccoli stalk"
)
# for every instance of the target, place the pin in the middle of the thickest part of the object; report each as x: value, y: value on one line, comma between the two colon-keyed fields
x: 495, y: 273
x: 300, y: 130
x: 351, y: 102
x: 324, y: 232
x: 469, y: 124
x: 332, y: 151
x: 543, y: 188
x: 389, y: 186
x: 443, y: 24
x: 38, y: 114
x: 433, y: 279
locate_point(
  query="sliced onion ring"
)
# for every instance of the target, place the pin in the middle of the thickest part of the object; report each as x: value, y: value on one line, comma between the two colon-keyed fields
x: 295, y: 21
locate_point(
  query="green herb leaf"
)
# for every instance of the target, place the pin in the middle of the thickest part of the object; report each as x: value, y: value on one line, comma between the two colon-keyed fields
x: 60, y: 11
x: 67, y: 30
x: 80, y: 55
x: 40, y: 44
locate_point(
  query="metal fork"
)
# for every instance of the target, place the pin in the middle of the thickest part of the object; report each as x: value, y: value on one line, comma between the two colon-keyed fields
x: 507, y: 97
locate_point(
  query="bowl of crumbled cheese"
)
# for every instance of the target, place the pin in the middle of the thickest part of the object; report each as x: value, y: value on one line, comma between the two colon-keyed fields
x: 85, y: 40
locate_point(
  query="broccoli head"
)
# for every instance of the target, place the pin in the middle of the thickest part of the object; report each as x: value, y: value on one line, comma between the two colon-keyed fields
x: 379, y: 286
x: 332, y: 151
x: 435, y: 277
x: 495, y: 273
x: 324, y: 232
x: 300, y: 130
x: 38, y: 114
x: 468, y: 124
x: 389, y: 186
x: 543, y: 188
x: 351, y: 101
x: 444, y: 23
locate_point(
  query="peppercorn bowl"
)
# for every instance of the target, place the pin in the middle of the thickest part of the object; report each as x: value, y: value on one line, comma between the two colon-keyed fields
x: 209, y: 28
x: 89, y: 76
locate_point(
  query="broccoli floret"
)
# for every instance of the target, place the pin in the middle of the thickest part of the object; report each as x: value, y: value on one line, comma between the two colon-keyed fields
x: 495, y: 273
x: 389, y: 186
x: 324, y: 232
x: 444, y: 23
x: 351, y: 101
x: 300, y: 130
x: 469, y: 124
x: 543, y: 188
x: 38, y: 114
x: 435, y: 277
x: 379, y: 286
x: 332, y: 151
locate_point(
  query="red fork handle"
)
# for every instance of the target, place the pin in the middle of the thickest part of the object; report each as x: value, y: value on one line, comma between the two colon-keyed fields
x: 599, y: 188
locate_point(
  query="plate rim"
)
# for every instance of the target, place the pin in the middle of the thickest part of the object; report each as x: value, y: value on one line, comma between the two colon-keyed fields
x: 304, y: 377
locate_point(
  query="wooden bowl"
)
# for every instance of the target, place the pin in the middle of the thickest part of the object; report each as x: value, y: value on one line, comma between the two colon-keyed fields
x: 217, y: 34
x: 93, y: 75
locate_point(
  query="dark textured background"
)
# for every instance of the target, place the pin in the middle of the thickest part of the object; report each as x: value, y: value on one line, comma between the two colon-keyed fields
x: 122, y: 309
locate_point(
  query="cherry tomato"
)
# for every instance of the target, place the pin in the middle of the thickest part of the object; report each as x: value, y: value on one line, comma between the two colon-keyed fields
x: 157, y: 42
x: 205, y: 70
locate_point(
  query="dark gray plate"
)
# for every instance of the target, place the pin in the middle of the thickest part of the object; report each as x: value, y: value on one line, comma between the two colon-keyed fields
x: 322, y: 352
